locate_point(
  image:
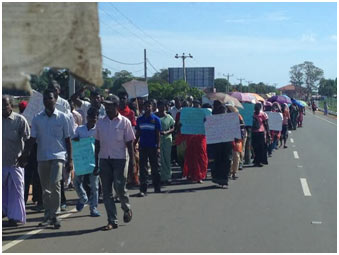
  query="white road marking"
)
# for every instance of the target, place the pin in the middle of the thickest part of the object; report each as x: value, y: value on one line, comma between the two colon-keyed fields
x: 300, y: 166
x: 289, y: 132
x: 20, y: 239
x: 33, y: 232
x: 305, y: 187
x: 323, y: 119
x: 292, y: 140
x: 296, y: 154
x: 316, y: 222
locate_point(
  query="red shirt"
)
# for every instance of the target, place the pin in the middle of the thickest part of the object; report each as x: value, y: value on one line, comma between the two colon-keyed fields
x: 129, y: 114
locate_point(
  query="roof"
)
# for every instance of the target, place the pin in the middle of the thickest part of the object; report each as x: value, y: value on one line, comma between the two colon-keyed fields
x: 289, y: 87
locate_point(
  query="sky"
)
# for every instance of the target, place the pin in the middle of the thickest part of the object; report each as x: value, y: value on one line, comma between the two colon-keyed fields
x: 257, y: 42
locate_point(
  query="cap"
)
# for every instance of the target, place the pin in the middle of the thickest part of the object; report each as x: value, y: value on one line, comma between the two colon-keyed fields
x: 112, y: 99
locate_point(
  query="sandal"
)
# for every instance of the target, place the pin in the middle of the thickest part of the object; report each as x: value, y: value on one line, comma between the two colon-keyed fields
x: 110, y: 226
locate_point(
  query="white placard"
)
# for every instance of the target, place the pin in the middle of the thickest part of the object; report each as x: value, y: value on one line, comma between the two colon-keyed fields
x: 136, y: 88
x: 34, y: 106
x: 275, y: 120
x: 222, y: 128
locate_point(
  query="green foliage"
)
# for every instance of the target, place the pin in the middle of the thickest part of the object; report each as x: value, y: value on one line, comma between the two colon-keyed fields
x: 119, y: 79
x: 327, y: 87
x: 161, y: 77
x: 221, y: 85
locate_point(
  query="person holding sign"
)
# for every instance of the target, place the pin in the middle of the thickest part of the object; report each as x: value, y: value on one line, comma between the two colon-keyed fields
x: 82, y: 132
x: 196, y: 160
x: 114, y: 134
x: 260, y: 128
x: 222, y: 154
x: 275, y: 134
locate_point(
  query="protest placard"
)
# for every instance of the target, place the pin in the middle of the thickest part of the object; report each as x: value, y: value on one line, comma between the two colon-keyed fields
x: 136, y: 88
x: 247, y: 113
x: 275, y: 120
x: 34, y: 106
x: 192, y: 120
x: 83, y: 156
x: 222, y: 128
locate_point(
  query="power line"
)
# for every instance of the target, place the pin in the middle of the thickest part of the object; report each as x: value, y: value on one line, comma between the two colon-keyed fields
x: 136, y: 26
x: 152, y: 66
x: 122, y: 62
x: 126, y: 28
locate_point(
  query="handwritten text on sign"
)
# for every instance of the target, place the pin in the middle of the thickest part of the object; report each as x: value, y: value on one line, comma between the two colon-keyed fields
x: 83, y: 156
x: 247, y: 113
x: 222, y: 128
x: 192, y: 120
x: 275, y: 120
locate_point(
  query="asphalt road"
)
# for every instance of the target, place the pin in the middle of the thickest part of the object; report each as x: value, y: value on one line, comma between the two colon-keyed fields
x: 288, y: 206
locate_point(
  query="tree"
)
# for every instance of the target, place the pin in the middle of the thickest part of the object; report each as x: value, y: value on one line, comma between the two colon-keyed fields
x: 221, y: 84
x: 119, y: 79
x: 161, y: 77
x: 313, y: 74
x: 327, y: 87
x: 306, y: 74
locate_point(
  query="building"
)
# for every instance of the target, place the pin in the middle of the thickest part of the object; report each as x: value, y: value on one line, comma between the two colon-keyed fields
x: 293, y: 91
x: 198, y: 77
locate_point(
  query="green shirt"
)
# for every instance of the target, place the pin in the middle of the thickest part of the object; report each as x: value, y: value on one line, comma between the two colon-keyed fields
x: 167, y: 122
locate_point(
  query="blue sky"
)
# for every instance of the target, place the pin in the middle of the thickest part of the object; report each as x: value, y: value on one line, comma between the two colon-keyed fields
x: 255, y: 41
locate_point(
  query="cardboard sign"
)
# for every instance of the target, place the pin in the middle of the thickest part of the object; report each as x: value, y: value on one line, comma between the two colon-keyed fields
x: 83, y: 156
x: 247, y: 113
x: 222, y: 128
x: 136, y: 88
x: 275, y: 120
x: 192, y: 120
x: 34, y: 106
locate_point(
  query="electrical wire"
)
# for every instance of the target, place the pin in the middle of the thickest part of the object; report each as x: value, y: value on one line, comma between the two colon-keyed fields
x: 121, y: 62
x: 152, y: 66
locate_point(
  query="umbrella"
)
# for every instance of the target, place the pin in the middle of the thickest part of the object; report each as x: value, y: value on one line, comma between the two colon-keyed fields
x: 280, y: 99
x: 257, y: 97
x: 268, y: 103
x: 244, y: 97
x: 294, y: 101
x: 303, y: 103
x: 224, y: 98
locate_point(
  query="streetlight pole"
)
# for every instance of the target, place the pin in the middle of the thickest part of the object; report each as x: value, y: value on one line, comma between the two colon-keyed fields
x: 183, y: 62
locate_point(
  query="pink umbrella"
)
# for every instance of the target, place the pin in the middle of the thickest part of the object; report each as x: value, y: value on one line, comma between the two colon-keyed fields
x: 244, y: 97
x: 268, y: 103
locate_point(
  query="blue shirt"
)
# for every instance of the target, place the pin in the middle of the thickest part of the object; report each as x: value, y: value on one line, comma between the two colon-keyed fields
x: 50, y: 134
x: 147, y: 128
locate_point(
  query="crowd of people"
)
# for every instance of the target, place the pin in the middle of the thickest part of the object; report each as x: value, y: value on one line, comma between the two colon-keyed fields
x: 134, y: 138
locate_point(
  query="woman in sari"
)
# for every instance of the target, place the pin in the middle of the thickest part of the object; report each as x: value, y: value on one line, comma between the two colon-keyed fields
x: 196, y: 160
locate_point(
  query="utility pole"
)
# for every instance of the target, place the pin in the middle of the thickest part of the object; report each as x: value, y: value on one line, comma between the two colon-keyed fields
x: 241, y: 79
x: 145, y: 64
x: 228, y: 80
x: 183, y: 62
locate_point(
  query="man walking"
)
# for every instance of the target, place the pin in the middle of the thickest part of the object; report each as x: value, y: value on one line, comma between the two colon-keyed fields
x: 50, y: 129
x: 114, y: 134
x: 15, y: 131
x: 148, y: 130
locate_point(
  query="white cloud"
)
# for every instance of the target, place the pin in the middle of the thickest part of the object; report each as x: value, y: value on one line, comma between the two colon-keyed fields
x: 333, y: 37
x: 277, y: 16
x: 309, y: 37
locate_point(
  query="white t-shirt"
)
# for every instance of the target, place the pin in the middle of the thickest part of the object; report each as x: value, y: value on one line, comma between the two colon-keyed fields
x: 84, y: 108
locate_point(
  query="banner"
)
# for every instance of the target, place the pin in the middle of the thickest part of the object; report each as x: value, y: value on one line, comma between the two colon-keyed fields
x: 192, y: 120
x: 222, y: 128
x: 247, y: 113
x: 275, y: 120
x: 83, y: 156
x: 34, y: 106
